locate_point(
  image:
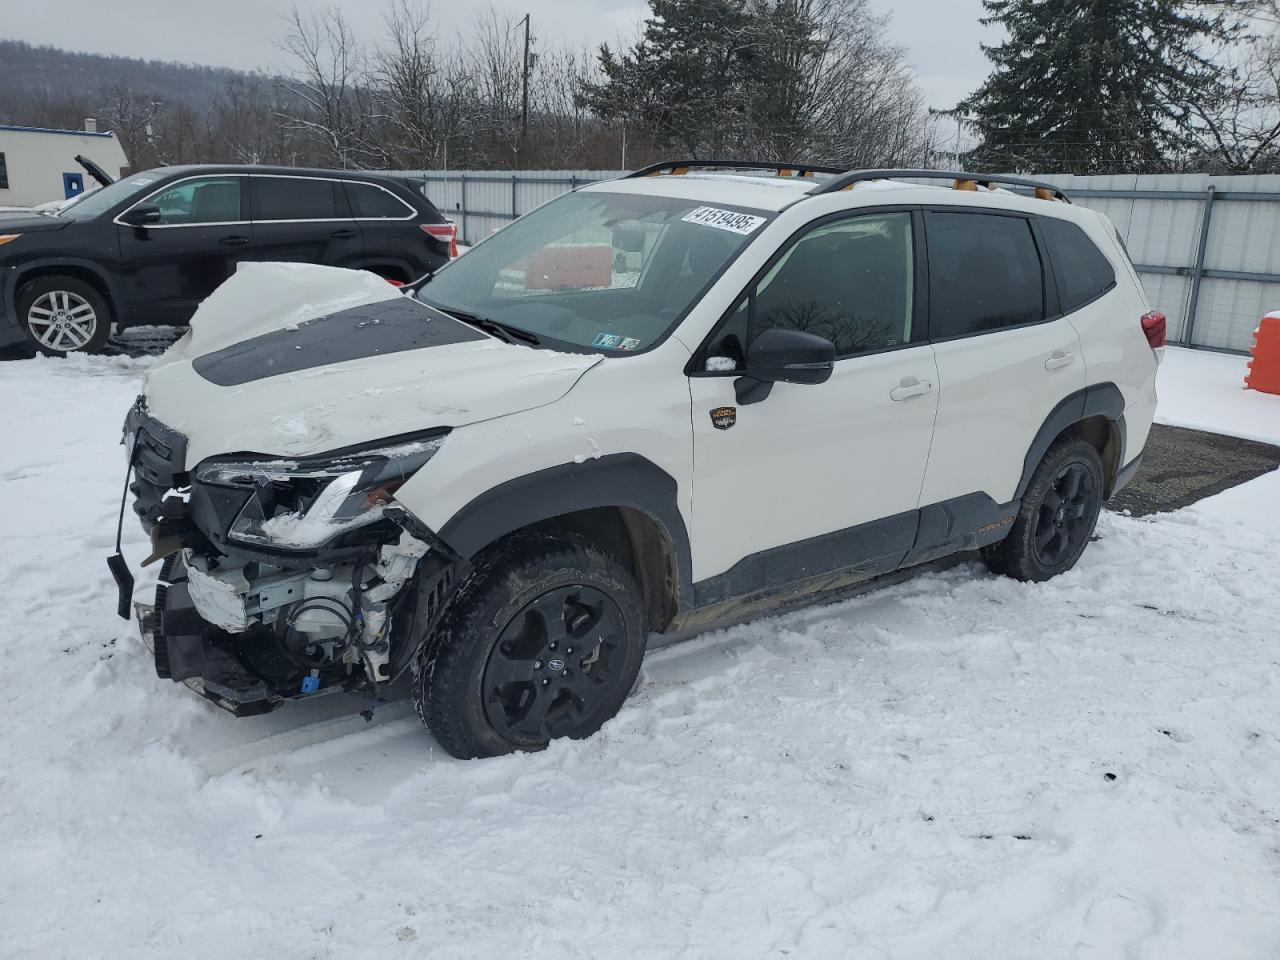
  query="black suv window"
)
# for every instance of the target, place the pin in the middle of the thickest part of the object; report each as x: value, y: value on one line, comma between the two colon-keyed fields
x: 296, y: 198
x: 984, y: 273
x: 1081, y: 270
x: 850, y: 281
x: 200, y: 200
x: 373, y: 203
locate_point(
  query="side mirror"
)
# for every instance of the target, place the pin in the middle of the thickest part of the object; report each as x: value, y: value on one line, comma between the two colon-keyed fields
x: 141, y: 215
x: 780, y: 355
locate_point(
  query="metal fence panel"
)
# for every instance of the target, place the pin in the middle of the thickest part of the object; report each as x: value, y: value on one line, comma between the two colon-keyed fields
x: 1208, y: 254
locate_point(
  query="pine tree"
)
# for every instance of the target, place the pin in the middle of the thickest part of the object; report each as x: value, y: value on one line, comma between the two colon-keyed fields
x: 1098, y: 86
x: 684, y: 78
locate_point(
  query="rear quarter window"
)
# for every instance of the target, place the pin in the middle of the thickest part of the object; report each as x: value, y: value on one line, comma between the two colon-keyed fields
x: 1082, y: 272
x: 369, y: 202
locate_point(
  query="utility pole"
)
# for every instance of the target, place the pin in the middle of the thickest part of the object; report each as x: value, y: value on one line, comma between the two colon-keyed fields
x: 524, y: 85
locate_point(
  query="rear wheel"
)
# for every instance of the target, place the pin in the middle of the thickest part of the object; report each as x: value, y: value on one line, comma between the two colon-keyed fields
x: 62, y: 315
x: 543, y: 640
x: 1058, y: 513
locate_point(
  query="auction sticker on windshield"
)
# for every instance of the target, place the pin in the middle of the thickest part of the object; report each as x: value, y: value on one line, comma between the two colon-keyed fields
x: 729, y: 220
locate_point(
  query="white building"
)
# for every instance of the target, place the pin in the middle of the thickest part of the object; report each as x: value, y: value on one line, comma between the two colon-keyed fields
x: 37, y: 164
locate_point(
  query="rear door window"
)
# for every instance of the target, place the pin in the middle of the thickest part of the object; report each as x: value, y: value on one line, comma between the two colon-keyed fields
x: 1082, y: 272
x: 297, y: 198
x: 369, y: 202
x: 984, y: 273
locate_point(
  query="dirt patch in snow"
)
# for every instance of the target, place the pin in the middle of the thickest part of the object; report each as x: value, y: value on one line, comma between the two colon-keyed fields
x: 1181, y: 467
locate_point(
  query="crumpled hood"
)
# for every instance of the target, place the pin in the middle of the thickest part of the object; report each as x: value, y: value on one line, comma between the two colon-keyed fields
x: 294, y: 359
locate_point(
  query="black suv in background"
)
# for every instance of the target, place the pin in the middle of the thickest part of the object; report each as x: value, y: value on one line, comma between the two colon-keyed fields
x: 149, y: 247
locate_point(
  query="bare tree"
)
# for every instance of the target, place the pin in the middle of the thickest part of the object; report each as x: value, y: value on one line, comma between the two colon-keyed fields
x: 1238, y: 131
x: 331, y: 89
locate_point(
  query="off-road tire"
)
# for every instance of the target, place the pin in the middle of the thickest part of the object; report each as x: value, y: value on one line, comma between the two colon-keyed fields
x: 449, y: 684
x: 1017, y: 555
x: 80, y: 292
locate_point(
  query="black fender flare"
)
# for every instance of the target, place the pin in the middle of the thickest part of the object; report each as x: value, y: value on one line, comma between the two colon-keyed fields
x: 1097, y: 400
x: 22, y: 272
x: 615, y: 480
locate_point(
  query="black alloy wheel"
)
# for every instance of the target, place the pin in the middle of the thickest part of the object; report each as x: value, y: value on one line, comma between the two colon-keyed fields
x: 543, y: 639
x: 555, y: 664
x: 1057, y: 515
x: 1062, y: 520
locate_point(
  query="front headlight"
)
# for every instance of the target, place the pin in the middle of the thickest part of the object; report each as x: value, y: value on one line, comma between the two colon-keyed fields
x: 299, y: 504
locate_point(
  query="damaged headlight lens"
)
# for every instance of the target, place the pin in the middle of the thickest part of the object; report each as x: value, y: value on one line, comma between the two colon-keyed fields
x: 299, y: 504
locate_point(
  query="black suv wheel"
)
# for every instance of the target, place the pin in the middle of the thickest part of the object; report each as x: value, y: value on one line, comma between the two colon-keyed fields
x: 1057, y: 517
x: 62, y: 315
x: 543, y: 640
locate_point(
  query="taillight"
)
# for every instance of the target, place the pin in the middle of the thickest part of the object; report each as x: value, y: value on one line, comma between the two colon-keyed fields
x: 445, y: 233
x: 1153, y: 325
x: 394, y: 283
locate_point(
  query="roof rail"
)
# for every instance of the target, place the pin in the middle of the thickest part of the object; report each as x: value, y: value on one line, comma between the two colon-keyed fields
x: 848, y: 178
x: 782, y: 169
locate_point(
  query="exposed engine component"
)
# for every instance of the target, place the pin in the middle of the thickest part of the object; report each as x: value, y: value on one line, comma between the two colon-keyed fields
x: 322, y: 618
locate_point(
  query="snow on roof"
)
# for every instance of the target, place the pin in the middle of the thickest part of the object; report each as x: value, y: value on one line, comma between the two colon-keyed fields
x: 13, y: 128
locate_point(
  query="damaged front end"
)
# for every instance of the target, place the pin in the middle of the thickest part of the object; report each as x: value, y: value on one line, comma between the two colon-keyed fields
x: 284, y: 578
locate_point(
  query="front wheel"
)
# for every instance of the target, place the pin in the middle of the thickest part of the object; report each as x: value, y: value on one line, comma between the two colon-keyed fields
x: 62, y: 315
x: 1058, y: 513
x: 543, y: 640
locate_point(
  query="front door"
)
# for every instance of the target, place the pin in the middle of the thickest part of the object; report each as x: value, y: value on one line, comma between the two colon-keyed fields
x: 168, y: 267
x: 815, y: 479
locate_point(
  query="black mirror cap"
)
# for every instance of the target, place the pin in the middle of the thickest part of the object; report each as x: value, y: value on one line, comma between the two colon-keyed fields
x: 141, y: 215
x: 780, y: 355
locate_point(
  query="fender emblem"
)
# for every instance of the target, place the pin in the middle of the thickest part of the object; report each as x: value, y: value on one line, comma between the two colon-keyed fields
x: 722, y: 418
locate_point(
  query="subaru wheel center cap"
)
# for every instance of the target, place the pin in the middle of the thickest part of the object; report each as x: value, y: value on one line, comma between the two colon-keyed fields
x: 555, y: 664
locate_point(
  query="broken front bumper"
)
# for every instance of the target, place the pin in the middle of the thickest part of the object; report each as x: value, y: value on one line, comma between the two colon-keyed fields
x: 231, y: 689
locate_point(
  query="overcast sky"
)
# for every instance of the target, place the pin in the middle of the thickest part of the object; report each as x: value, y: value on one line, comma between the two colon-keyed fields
x: 941, y: 36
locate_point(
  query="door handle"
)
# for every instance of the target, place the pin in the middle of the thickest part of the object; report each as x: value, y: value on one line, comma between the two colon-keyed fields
x: 343, y: 234
x: 1059, y: 359
x: 910, y: 387
x: 234, y: 241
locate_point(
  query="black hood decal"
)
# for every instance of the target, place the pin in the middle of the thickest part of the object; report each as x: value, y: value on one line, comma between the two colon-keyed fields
x: 389, y: 326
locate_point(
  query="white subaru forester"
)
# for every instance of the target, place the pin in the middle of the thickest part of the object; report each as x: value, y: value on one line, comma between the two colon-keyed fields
x: 670, y: 400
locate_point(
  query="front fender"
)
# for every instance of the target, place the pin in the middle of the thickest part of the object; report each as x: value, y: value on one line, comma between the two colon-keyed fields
x: 617, y: 480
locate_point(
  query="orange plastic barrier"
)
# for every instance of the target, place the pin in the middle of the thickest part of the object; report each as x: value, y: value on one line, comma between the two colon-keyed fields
x: 1264, y: 367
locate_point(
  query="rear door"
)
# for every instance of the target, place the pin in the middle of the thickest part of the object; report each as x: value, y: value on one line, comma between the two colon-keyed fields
x: 301, y: 219
x: 168, y: 267
x: 393, y: 240
x: 1006, y: 356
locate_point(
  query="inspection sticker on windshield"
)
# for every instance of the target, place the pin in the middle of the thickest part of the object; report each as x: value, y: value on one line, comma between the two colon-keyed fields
x: 615, y: 341
x: 729, y: 220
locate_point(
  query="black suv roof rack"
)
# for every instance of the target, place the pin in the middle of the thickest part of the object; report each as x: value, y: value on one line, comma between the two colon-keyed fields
x: 842, y: 179
x: 846, y: 179
x: 679, y: 167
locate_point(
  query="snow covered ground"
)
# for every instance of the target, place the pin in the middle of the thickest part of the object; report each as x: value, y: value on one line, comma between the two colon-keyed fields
x: 957, y: 766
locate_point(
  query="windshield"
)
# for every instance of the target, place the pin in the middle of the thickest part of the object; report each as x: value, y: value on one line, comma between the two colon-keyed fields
x: 607, y: 271
x: 100, y: 201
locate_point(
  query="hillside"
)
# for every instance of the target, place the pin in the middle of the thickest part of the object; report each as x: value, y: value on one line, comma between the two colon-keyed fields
x: 34, y: 75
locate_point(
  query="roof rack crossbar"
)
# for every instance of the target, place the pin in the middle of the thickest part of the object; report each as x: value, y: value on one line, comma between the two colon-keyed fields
x: 849, y: 177
x: 668, y: 166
